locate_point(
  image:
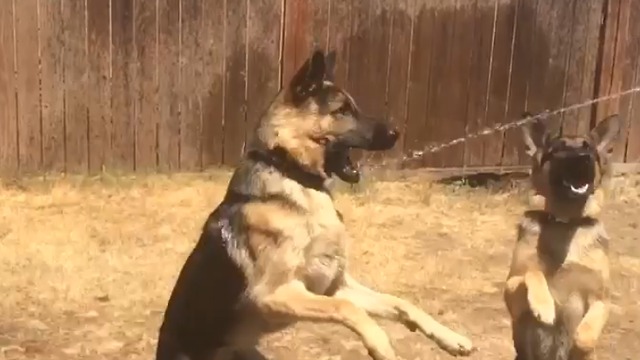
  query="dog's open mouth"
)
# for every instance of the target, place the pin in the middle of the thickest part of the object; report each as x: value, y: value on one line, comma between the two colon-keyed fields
x: 577, y: 189
x: 339, y: 162
x: 578, y: 175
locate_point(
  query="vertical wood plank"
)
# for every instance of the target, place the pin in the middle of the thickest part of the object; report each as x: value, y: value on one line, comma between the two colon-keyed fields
x: 551, y: 52
x: 399, y: 68
x: 372, y: 98
x: 235, y: 81
x: 191, y: 85
x: 359, y: 59
x: 359, y: 63
x: 213, y: 33
x: 478, y: 80
x: 455, y: 101
x: 296, y: 45
x: 591, y: 71
x: 499, y: 81
x: 525, y: 33
x: 605, y: 83
x: 122, y: 95
x: 8, y: 119
x: 377, y: 51
x: 421, y: 58
x: 146, y: 108
x: 99, y: 93
x: 170, y: 91
x: 621, y: 75
x: 318, y: 35
x: 436, y: 116
x: 339, y: 30
x: 75, y: 76
x: 306, y: 29
x: 52, y: 77
x: 633, y: 120
x: 263, y: 64
x: 28, y: 87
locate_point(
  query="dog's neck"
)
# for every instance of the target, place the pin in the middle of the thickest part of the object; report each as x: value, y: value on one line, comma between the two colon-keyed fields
x: 281, y: 161
x: 569, y: 211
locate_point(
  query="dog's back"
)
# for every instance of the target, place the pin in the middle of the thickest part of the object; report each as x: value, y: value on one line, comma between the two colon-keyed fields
x: 199, y: 316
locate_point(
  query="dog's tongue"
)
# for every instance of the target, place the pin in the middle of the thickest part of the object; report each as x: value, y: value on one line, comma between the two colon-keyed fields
x: 580, y: 189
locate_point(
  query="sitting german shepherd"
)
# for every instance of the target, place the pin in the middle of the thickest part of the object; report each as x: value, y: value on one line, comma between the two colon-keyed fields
x: 274, y: 251
x: 557, y: 288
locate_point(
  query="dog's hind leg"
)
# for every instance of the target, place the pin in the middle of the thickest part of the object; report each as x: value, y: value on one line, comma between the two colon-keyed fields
x: 394, y: 308
x: 294, y: 302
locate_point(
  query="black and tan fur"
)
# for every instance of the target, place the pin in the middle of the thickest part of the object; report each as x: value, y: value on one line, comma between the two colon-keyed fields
x: 274, y: 251
x: 557, y: 288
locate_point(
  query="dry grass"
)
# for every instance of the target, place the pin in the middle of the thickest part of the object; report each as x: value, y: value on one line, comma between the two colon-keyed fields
x: 86, y: 266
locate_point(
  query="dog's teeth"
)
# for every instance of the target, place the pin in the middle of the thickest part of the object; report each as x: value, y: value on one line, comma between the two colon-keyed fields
x: 580, y: 190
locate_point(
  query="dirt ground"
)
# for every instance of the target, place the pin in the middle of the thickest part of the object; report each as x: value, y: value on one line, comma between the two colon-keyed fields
x: 86, y: 265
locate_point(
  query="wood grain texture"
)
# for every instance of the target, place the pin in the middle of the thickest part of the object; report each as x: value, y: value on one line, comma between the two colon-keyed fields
x: 235, y: 107
x: 8, y: 117
x: 498, y: 89
x: 75, y: 87
x: 633, y: 118
x: 402, y: 21
x: 479, y: 79
x: 263, y: 65
x: 99, y: 93
x: 171, y: 94
x: 419, y: 78
x: 28, y: 87
x: 213, y: 33
x: 339, y: 31
x: 122, y: 85
x: 51, y: 80
x: 146, y: 109
x: 436, y: 120
x: 191, y: 86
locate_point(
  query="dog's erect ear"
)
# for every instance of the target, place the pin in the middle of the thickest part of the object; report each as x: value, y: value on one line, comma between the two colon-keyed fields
x: 606, y: 132
x: 535, y: 134
x: 330, y: 65
x: 308, y: 80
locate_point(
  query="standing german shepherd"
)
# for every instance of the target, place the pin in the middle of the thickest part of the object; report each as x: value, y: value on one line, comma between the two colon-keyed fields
x: 274, y: 251
x: 557, y: 288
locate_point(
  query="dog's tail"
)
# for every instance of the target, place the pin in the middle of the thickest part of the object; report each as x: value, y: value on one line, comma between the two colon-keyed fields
x: 537, y: 341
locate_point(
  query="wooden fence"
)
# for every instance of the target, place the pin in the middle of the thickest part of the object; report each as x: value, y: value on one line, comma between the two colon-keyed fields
x: 166, y: 85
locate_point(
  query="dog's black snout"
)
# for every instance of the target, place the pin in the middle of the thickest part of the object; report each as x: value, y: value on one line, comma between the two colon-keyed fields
x: 384, y: 137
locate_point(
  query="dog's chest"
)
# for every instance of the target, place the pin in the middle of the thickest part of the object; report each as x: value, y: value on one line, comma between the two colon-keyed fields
x: 575, y: 261
x: 325, y: 254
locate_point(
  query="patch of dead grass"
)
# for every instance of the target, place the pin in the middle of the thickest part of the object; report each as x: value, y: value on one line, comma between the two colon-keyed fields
x: 86, y: 265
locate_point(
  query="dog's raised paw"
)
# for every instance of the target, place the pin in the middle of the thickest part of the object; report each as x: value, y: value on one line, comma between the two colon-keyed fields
x: 457, y: 345
x: 542, y: 308
x: 378, y: 355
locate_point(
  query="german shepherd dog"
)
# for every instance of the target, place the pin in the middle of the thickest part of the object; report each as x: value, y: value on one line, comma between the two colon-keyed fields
x: 557, y: 290
x: 274, y: 251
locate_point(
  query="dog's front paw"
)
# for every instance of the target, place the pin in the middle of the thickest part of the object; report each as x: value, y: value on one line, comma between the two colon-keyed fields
x: 585, y: 338
x: 379, y: 346
x: 456, y: 344
x: 542, y: 306
x: 382, y: 353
